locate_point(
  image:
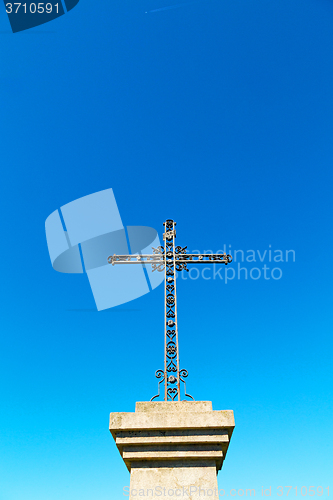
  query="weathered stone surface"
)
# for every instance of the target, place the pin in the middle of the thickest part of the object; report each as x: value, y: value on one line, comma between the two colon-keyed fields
x: 173, y: 445
x: 173, y: 406
x: 182, y: 479
x: 184, y: 415
x: 173, y: 436
x: 194, y: 452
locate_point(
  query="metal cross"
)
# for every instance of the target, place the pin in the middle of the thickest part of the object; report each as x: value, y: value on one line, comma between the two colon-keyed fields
x: 170, y: 259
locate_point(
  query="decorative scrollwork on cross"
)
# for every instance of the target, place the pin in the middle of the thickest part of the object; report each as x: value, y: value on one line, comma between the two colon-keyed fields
x: 157, y: 267
x: 172, y: 373
x: 158, y: 374
x: 170, y: 259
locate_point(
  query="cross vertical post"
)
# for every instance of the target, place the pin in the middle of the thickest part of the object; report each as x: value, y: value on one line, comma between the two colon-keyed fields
x: 171, y: 353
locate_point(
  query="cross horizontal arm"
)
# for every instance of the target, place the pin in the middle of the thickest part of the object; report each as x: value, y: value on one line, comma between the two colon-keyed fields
x: 137, y: 259
x: 204, y: 258
x: 179, y: 259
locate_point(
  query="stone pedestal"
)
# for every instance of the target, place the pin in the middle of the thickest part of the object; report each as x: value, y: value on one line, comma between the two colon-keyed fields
x: 173, y: 448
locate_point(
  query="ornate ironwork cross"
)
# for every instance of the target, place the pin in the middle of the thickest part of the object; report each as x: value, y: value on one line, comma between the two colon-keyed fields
x: 170, y: 259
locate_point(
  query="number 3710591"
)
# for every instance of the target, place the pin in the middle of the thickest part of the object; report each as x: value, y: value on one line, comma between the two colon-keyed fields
x: 33, y: 8
x: 310, y: 491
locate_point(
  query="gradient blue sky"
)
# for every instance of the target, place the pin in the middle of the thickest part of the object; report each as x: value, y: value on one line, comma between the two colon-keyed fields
x: 218, y: 114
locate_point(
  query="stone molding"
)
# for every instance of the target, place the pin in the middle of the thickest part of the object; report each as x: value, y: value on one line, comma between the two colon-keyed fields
x: 167, y: 433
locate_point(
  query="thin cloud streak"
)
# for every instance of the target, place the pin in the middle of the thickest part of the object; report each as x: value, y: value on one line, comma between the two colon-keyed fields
x: 170, y: 7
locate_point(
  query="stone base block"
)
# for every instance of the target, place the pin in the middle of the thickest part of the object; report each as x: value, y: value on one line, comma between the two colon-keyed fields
x: 184, y: 479
x: 174, y: 447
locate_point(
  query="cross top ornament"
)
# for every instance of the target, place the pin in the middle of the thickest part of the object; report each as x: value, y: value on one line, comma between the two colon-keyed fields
x: 170, y: 259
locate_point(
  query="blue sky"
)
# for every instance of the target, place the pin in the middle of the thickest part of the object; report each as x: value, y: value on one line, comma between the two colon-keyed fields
x: 218, y: 114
